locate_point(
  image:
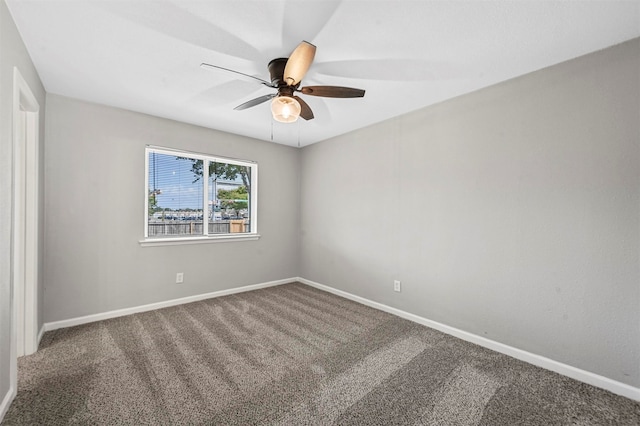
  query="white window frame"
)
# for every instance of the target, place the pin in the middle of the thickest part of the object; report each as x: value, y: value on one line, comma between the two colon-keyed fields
x: 205, y: 237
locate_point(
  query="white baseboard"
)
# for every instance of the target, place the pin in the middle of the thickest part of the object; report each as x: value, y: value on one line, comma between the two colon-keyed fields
x: 40, y: 333
x: 6, y: 402
x: 152, y: 306
x: 588, y: 377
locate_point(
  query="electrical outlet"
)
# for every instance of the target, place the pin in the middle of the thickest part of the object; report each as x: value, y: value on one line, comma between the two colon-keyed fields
x: 396, y: 285
x: 179, y: 277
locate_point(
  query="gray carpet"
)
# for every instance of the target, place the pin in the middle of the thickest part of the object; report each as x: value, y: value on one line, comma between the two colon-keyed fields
x: 290, y: 355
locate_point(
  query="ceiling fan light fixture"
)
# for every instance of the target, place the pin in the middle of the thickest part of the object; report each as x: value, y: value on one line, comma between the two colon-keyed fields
x: 285, y: 109
x: 286, y: 74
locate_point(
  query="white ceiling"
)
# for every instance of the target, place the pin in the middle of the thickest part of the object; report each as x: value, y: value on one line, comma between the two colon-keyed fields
x: 145, y: 55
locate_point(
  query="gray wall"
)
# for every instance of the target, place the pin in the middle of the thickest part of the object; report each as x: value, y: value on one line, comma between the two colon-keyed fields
x: 95, y: 209
x: 511, y: 213
x: 12, y: 54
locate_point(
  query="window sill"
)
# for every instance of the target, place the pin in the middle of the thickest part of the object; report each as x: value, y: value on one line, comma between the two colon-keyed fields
x: 149, y: 242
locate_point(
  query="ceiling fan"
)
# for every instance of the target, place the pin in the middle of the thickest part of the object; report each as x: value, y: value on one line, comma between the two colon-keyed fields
x: 286, y: 75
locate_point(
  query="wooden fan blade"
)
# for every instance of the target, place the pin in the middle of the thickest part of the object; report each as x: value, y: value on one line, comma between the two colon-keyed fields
x: 254, y: 102
x: 332, y: 91
x: 305, y: 109
x: 298, y: 63
x: 215, y: 67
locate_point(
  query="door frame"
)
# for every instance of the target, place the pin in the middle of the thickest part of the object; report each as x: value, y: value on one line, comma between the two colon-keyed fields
x: 25, y: 229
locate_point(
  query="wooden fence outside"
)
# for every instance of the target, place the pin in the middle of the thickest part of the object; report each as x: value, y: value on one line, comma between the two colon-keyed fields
x: 176, y: 228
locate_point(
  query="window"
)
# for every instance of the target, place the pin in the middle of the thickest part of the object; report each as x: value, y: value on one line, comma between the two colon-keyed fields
x: 197, y: 197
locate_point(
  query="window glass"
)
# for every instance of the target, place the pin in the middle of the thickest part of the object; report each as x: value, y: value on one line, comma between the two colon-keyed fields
x: 198, y: 195
x: 229, y: 199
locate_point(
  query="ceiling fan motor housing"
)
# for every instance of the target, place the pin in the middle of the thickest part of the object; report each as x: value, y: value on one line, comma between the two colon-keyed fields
x: 276, y: 71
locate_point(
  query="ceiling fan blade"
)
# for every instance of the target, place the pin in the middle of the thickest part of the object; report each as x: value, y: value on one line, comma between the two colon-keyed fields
x: 254, y: 102
x: 332, y: 91
x: 305, y: 109
x: 299, y: 63
x: 215, y: 67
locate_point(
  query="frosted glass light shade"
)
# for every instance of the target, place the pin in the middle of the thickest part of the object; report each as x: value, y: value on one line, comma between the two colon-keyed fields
x: 285, y: 109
